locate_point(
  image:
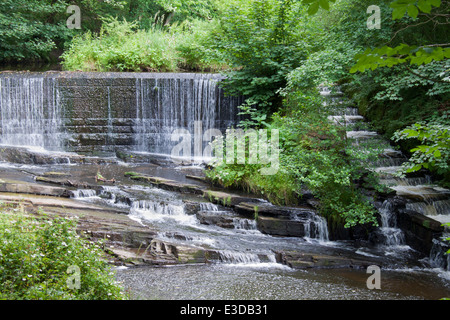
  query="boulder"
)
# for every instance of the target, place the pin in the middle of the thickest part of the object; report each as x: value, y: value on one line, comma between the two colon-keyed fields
x: 221, y: 219
x: 259, y: 207
x: 281, y: 226
x: 306, y: 260
x: 227, y: 199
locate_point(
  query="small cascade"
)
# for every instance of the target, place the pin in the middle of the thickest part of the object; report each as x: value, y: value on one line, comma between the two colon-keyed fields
x: 421, y: 194
x: 84, y: 193
x: 157, y: 208
x: 208, y: 206
x: 245, y: 224
x: 115, y: 196
x: 392, y: 235
x: 235, y: 257
x: 317, y: 228
x: 439, y: 258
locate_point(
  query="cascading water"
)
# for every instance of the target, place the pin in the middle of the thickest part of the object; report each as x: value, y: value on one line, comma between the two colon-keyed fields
x: 192, y: 104
x: 110, y: 112
x: 317, y: 228
x: 439, y: 258
x: 30, y: 112
x: 84, y: 193
x: 392, y: 235
x: 421, y: 194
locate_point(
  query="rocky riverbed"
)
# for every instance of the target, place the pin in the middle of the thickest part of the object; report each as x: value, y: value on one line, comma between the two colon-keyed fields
x: 151, y: 215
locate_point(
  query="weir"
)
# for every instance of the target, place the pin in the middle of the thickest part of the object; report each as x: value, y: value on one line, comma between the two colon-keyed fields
x: 101, y: 113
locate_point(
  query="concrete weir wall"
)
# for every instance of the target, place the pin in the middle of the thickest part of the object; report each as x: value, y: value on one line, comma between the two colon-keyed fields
x: 104, y: 112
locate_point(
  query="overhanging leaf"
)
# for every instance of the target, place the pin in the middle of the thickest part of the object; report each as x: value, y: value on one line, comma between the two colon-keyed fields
x: 313, y: 8
x: 412, y: 11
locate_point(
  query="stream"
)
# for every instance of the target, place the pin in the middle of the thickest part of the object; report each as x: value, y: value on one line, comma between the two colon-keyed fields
x: 247, y: 268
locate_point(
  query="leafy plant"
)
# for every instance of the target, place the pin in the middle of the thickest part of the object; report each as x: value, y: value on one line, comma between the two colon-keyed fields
x: 36, y: 254
x: 433, y: 152
x: 262, y: 42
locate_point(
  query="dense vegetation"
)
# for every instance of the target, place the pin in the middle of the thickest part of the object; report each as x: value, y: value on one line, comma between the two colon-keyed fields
x: 40, y: 255
x: 276, y: 53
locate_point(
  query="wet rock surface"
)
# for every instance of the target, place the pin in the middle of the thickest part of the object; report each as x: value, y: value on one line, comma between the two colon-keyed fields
x: 132, y: 242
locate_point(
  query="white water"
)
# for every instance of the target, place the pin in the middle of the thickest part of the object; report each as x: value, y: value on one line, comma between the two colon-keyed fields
x: 164, y: 105
x: 317, y: 229
x: 30, y: 115
x: 41, y: 110
x: 84, y: 193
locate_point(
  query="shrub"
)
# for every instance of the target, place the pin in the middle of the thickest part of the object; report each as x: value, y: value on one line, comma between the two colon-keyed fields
x: 37, y: 253
x: 119, y: 47
x: 433, y: 150
x: 314, y: 155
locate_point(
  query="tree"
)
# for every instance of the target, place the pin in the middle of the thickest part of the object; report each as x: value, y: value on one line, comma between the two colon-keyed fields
x: 31, y: 29
x: 262, y: 41
x: 422, y: 12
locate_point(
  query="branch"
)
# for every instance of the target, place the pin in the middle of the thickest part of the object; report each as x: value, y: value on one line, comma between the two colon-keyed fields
x: 409, y: 26
x: 424, y: 77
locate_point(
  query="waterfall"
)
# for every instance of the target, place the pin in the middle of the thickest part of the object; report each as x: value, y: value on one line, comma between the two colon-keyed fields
x: 245, y: 224
x: 208, y: 206
x: 238, y: 257
x: 30, y: 112
x: 166, y: 104
x: 393, y: 236
x: 419, y: 192
x: 439, y: 258
x: 84, y: 193
x: 110, y: 112
x: 158, y: 208
x: 317, y: 228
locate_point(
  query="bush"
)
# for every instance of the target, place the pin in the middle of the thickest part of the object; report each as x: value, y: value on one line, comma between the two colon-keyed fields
x: 314, y: 155
x: 433, y: 152
x: 37, y: 254
x: 119, y: 47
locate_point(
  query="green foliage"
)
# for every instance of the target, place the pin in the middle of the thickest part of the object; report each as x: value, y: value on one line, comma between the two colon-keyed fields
x: 388, y: 56
x: 36, y: 29
x: 31, y: 29
x: 121, y: 46
x: 431, y: 79
x: 433, y: 152
x: 323, y: 67
x: 262, y: 42
x: 424, y: 51
x: 118, y: 47
x: 321, y: 159
x: 412, y: 7
x: 314, y: 155
x: 36, y: 253
x: 194, y: 46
